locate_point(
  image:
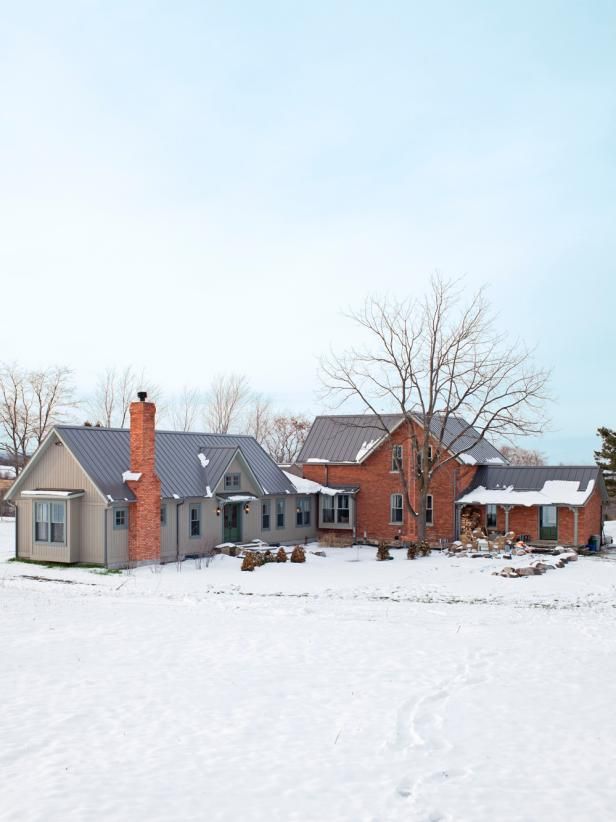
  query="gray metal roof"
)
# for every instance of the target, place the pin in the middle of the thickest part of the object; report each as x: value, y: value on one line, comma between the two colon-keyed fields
x: 340, y: 438
x: 533, y: 477
x: 104, y: 453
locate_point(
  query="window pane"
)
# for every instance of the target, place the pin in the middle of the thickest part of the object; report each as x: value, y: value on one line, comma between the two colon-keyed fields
x: 41, y: 532
x: 57, y: 532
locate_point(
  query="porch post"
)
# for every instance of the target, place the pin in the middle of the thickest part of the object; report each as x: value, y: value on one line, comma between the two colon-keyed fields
x: 506, y: 509
x: 576, y: 514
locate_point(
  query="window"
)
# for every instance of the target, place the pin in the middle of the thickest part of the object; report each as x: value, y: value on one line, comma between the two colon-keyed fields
x: 429, y: 510
x: 396, y: 508
x: 342, y: 508
x: 396, y: 457
x: 419, y: 458
x: 232, y: 482
x: 265, y: 516
x: 49, y: 522
x: 194, y: 521
x: 120, y: 518
x: 490, y: 516
x: 329, y: 513
x: 163, y: 515
x: 280, y: 512
x: 303, y: 511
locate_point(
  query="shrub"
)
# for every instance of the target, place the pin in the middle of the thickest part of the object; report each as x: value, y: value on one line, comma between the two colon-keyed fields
x: 298, y: 554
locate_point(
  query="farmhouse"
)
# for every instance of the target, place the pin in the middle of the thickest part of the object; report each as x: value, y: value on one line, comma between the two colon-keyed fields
x: 114, y: 497
x: 354, y: 455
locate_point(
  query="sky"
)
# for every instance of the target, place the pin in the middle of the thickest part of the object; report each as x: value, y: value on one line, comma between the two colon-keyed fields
x: 197, y: 188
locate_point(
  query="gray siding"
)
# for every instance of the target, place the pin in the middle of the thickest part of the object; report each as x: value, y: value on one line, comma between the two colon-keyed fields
x: 57, y: 469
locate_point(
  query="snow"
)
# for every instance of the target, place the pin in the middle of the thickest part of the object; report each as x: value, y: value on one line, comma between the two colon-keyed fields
x: 131, y: 476
x: 316, y: 459
x: 306, y: 486
x: 240, y: 498
x: 52, y: 493
x: 365, y: 449
x: 208, y: 492
x: 495, y: 461
x: 468, y: 459
x: 203, y: 460
x: 554, y: 492
x: 341, y: 689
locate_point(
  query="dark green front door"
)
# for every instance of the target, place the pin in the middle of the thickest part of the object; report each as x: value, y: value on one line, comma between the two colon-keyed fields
x: 232, y: 522
x: 548, y: 522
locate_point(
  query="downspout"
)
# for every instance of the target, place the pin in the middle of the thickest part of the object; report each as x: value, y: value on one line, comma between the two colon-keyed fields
x: 16, y: 532
x: 177, y: 530
x: 105, y: 537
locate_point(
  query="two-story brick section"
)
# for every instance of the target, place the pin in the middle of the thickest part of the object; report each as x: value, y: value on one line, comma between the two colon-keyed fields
x: 354, y: 456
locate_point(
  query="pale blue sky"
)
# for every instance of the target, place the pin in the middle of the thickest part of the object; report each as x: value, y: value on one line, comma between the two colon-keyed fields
x: 197, y: 186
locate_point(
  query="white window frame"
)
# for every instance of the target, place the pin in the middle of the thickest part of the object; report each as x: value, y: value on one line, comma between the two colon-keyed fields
x: 429, y: 509
x: 396, y: 449
x: 266, y: 512
x: 50, y: 522
x: 328, y: 505
x: 122, y: 526
x: 396, y: 508
x: 303, y: 514
x: 281, y: 510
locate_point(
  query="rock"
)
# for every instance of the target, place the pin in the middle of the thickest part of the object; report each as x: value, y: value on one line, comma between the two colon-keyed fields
x: 508, y: 571
x: 569, y: 557
x: 543, y: 566
x: 319, y: 553
x: 529, y: 571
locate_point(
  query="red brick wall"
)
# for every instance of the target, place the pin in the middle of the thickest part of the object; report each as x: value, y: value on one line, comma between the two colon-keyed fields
x: 144, y: 514
x: 524, y: 520
x: 377, y: 482
x: 591, y: 517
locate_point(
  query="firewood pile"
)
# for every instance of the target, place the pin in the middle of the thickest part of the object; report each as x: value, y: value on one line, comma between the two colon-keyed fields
x: 476, y: 543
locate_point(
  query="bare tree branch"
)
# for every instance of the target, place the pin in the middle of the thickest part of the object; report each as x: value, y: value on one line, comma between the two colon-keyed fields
x: 437, y: 361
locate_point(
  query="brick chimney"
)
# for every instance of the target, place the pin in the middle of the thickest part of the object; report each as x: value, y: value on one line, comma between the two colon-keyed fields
x: 144, y: 513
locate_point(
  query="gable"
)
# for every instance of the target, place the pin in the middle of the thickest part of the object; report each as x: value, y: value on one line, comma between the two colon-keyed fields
x: 248, y: 483
x: 54, y: 466
x: 104, y: 453
x: 352, y: 438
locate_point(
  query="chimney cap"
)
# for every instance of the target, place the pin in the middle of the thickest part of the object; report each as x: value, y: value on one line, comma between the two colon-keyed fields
x: 142, y: 395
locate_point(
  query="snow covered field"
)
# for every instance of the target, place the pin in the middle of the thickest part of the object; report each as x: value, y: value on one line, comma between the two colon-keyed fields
x: 344, y: 689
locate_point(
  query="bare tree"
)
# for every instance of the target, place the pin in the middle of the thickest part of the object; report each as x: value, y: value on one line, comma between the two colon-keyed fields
x: 435, y: 361
x: 52, y: 399
x: 522, y: 456
x: 225, y: 402
x: 115, y: 390
x: 31, y: 402
x: 285, y: 438
x: 258, y: 418
x: 184, y: 410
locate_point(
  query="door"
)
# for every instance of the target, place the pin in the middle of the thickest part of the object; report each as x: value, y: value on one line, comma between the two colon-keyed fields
x: 232, y: 525
x: 548, y: 522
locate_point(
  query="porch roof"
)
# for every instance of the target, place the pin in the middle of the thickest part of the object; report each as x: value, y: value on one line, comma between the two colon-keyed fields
x: 553, y: 492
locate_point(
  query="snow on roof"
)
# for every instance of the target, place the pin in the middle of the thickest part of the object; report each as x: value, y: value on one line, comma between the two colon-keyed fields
x: 554, y: 492
x: 365, y: 449
x: 131, y: 476
x: 306, y: 486
x: 468, y: 459
x: 44, y: 493
x: 203, y: 460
